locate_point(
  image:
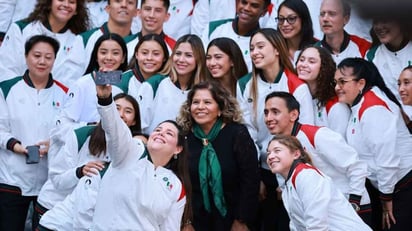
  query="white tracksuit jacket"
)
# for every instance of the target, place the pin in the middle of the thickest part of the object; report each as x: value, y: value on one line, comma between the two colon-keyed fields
x: 76, y: 211
x: 378, y: 133
x: 13, y: 62
x: 69, y: 149
x: 159, y: 100
x: 134, y: 195
x: 28, y: 115
x: 14, y: 10
x: 390, y: 65
x: 353, y: 46
x: 334, y: 115
x: 207, y: 11
x: 286, y: 81
x: 314, y: 203
x: 333, y: 156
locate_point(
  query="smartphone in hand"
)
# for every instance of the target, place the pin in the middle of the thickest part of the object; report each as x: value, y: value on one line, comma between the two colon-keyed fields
x: 108, y: 77
x: 33, y: 155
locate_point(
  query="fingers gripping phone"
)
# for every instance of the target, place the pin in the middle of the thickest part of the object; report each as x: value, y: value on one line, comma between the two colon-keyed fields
x: 108, y: 77
x: 33, y: 155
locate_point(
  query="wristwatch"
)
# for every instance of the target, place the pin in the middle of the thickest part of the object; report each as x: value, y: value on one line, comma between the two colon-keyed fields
x: 355, y: 206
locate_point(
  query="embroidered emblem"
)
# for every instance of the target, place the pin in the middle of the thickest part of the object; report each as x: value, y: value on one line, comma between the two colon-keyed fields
x: 168, y: 184
x: 56, y: 104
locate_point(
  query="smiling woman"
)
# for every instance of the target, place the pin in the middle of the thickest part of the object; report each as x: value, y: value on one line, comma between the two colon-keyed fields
x: 225, y: 63
x: 222, y: 162
x: 30, y: 105
x: 109, y: 54
x: 295, y: 25
x: 143, y: 189
x: 385, y: 147
x: 321, y: 205
x: 161, y: 96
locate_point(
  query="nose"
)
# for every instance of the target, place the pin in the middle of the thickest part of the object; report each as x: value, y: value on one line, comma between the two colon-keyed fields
x: 109, y: 56
x: 303, y: 63
x: 213, y: 61
x: 152, y: 12
x: 180, y: 58
x: 201, y: 105
x: 337, y: 87
x: 270, y: 156
x: 253, y: 52
x: 246, y: 7
x: 401, y: 87
x: 150, y: 56
x: 121, y: 113
x: 42, y: 60
x: 268, y: 117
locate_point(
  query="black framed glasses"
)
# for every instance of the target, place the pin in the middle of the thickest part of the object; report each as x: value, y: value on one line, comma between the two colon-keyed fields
x: 342, y: 82
x: 291, y: 19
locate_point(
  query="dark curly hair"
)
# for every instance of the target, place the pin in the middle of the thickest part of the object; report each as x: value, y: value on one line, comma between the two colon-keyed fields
x: 228, y: 105
x: 77, y: 24
x: 324, y: 81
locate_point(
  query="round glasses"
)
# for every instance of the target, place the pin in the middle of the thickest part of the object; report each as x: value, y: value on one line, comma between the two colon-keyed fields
x: 291, y: 19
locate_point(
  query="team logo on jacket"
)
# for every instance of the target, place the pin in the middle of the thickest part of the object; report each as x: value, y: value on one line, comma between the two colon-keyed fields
x: 56, y: 104
x: 168, y: 184
x: 67, y: 49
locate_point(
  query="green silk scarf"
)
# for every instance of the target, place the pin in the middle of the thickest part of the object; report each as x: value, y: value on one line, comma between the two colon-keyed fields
x: 210, y: 173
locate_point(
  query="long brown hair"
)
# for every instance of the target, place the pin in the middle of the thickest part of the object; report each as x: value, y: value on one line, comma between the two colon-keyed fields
x: 278, y: 42
x: 231, y: 49
x: 196, y: 44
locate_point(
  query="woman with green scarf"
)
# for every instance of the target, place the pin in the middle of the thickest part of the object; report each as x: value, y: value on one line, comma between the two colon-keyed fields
x: 222, y: 161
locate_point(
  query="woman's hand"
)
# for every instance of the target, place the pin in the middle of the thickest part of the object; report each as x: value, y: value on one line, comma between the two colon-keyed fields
x: 44, y: 147
x: 239, y: 226
x: 92, y: 168
x: 387, y: 214
x: 103, y: 91
x: 19, y: 149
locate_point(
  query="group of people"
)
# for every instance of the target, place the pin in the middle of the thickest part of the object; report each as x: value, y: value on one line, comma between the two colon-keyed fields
x: 243, y: 121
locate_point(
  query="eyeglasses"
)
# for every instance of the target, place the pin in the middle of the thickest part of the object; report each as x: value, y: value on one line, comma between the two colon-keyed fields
x: 291, y: 19
x: 342, y: 82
